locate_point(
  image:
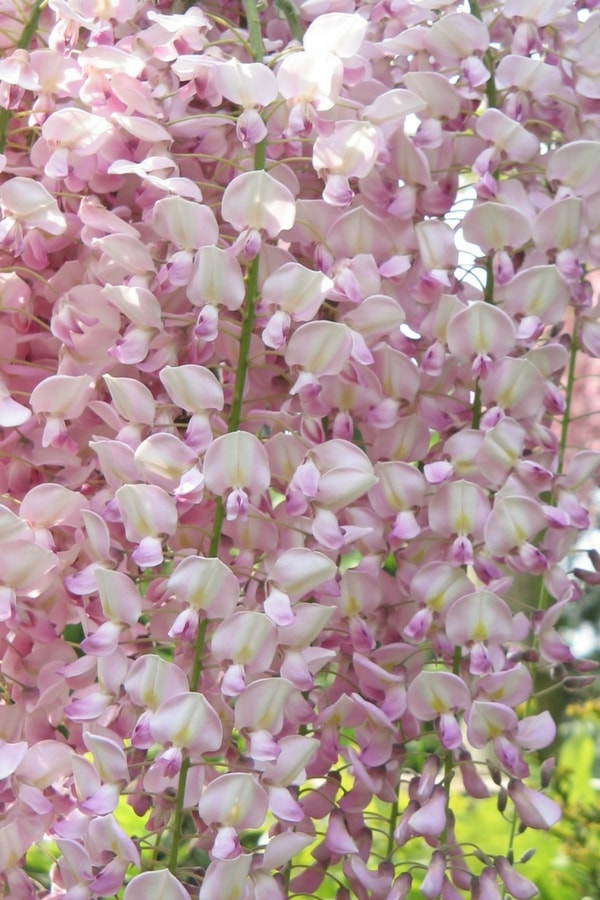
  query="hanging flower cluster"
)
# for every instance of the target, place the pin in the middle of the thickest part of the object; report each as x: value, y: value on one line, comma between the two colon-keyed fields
x: 290, y: 303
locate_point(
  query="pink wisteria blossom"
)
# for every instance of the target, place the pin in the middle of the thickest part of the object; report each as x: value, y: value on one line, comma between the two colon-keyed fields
x: 292, y: 299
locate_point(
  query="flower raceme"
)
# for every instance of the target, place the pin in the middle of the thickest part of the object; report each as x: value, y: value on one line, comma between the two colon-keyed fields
x: 290, y: 307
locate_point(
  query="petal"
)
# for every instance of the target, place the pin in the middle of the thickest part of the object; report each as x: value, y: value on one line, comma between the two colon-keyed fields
x: 236, y: 460
x: 121, y: 600
x: 156, y: 885
x: 246, y: 84
x: 205, y: 583
x: 186, y: 224
x: 433, y: 693
x: 236, y: 799
x: 339, y: 33
x: 217, y: 278
x: 187, y: 720
x: 494, y: 226
x: 257, y: 200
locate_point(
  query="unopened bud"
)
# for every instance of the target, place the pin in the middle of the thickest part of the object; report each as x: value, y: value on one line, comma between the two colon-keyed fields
x: 527, y: 855
x: 546, y: 771
x: 495, y: 773
x: 531, y: 655
x: 557, y: 673
x: 578, y: 682
x: 502, y: 799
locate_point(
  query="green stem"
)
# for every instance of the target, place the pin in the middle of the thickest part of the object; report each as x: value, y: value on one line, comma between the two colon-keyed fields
x: 476, y: 421
x: 566, y: 419
x: 391, y: 844
x: 235, y: 415
x: 449, y: 761
x: 178, y: 817
x: 289, y: 11
x: 511, y: 840
x: 490, y: 88
x: 488, y: 294
x: 254, y: 30
x: 22, y: 44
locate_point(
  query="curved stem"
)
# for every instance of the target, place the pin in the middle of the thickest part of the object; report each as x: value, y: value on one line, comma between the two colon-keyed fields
x: 490, y: 88
x: 566, y: 419
x: 22, y: 44
x: 178, y: 816
x: 233, y: 423
x: 254, y: 32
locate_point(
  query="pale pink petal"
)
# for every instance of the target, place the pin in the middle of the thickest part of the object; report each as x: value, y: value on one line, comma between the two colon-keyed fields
x: 260, y: 706
x: 488, y: 720
x: 151, y: 680
x: 148, y: 553
x: 137, y: 304
x: 194, y: 388
x: 205, y: 583
x: 337, y: 838
x: 236, y: 460
x: 63, y: 396
x: 236, y: 799
x: 494, y: 226
x: 283, y: 847
x: 515, y: 883
x: 257, y: 200
x: 455, y: 36
x: 436, y: 243
x: 224, y: 879
x: 508, y: 135
x: 430, y: 819
x: 132, y: 399
x: 299, y: 570
x: 217, y: 278
x: 103, y: 641
x: 297, y: 290
x: 535, y: 809
x: 147, y: 511
x: 47, y: 505
x: 321, y: 348
x: 245, y: 637
x: 349, y: 150
x: 11, y: 755
x: 480, y: 329
x: 156, y: 885
x: 560, y: 225
x: 121, y: 600
x: 188, y: 721
x: 30, y: 203
x: 433, y: 693
x: 12, y: 414
x: 310, y: 77
x: 164, y: 459
x: 512, y: 522
x: 128, y: 252
x: 250, y: 128
x: 335, y: 32
x: 246, y: 84
x: 109, y: 757
x: 574, y: 163
x: 536, y: 732
x: 481, y: 616
x: 278, y: 608
x: 186, y: 224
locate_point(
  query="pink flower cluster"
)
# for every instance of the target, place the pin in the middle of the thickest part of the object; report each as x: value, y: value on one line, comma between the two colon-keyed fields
x: 290, y: 302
